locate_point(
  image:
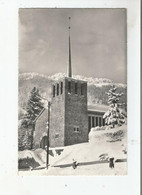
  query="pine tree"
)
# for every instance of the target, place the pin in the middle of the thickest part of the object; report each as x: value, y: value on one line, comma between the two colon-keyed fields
x: 115, y: 115
x: 34, y: 107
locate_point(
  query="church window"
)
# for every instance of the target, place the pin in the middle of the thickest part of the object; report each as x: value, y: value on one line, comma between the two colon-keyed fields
x: 53, y: 90
x: 61, y: 87
x: 103, y: 122
x: 81, y: 89
x: 89, y: 123
x: 58, y: 89
x: 43, y: 143
x: 69, y: 86
x: 75, y: 88
x: 76, y: 129
x: 93, y: 124
x: 56, y: 135
x: 96, y: 121
x: 100, y: 121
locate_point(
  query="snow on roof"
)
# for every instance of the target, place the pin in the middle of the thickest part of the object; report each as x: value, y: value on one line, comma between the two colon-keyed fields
x: 98, y: 107
x: 39, y: 114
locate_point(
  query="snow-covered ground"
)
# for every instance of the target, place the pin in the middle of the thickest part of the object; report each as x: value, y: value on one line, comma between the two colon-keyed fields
x: 108, y: 143
x: 96, y: 169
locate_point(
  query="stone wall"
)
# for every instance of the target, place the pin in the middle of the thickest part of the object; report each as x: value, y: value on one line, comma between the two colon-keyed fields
x: 76, y: 115
x: 57, y: 117
x: 68, y: 115
x: 68, y: 111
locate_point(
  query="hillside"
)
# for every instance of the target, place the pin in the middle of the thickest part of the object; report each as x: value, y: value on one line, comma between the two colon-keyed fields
x: 96, y: 87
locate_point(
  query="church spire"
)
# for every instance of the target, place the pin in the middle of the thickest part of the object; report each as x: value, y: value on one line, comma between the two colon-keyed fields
x: 69, y: 65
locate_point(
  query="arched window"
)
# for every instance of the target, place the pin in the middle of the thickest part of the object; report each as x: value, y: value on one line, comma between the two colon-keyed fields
x: 43, y: 142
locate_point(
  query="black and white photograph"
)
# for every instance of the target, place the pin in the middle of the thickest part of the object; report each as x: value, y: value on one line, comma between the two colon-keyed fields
x: 72, y: 111
x: 70, y: 97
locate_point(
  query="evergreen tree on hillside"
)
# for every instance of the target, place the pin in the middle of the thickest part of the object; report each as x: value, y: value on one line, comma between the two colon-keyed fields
x: 115, y: 115
x: 34, y: 106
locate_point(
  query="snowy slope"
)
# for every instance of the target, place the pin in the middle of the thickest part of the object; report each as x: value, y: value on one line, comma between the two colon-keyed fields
x: 85, y: 154
x: 101, y: 143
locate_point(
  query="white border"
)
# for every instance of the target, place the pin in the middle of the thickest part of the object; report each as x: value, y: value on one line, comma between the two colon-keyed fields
x: 10, y: 182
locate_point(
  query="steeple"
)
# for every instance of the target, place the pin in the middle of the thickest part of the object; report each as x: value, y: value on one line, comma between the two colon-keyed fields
x: 69, y: 73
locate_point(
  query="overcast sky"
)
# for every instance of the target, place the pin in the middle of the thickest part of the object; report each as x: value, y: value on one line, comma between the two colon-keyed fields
x: 98, y: 42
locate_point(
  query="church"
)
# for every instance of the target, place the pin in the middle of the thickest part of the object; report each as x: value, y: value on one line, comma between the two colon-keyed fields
x: 70, y: 117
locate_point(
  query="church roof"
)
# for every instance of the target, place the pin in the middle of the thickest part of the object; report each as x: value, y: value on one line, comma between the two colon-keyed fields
x: 98, y: 107
x: 39, y: 114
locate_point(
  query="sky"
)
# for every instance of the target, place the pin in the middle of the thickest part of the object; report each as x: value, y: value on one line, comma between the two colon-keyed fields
x: 98, y: 42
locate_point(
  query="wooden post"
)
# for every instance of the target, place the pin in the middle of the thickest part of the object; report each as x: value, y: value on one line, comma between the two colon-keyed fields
x: 48, y: 128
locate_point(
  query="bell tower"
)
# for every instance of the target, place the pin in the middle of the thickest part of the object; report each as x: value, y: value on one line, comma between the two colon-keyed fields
x: 68, y: 118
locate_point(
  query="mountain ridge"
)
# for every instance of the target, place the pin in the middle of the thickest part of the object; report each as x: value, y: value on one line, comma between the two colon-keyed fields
x: 96, y: 91
x: 56, y: 76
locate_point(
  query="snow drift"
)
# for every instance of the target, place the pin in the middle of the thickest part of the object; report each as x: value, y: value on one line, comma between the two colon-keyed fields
x: 101, y: 143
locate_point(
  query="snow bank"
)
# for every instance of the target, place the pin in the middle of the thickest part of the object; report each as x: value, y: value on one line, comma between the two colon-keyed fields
x: 42, y: 154
x: 30, y: 154
x: 90, y: 152
x: 98, y: 134
x: 98, y: 149
x: 98, y: 128
x: 33, y: 158
x: 97, y: 169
